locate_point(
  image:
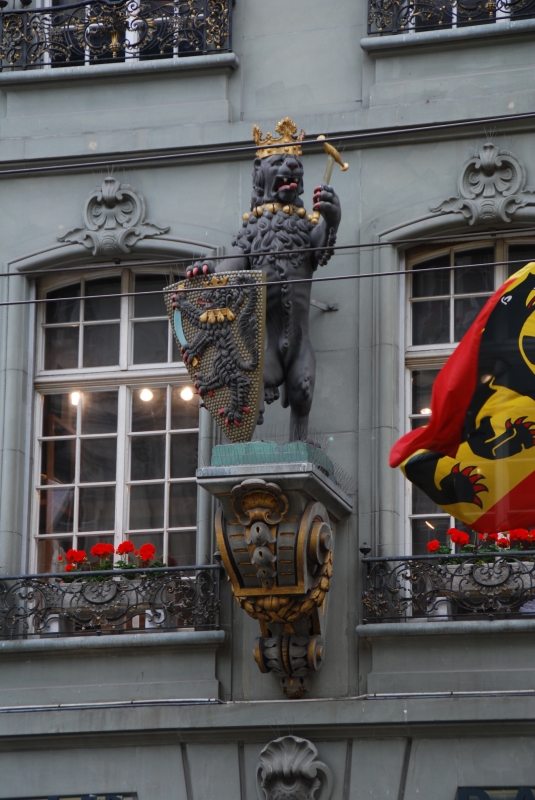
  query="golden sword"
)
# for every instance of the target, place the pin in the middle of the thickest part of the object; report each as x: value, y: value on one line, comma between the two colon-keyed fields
x: 332, y: 156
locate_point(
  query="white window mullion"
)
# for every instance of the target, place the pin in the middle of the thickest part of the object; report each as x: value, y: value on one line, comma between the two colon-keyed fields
x: 123, y: 418
x: 167, y: 474
x: 124, y: 330
x: 76, y: 504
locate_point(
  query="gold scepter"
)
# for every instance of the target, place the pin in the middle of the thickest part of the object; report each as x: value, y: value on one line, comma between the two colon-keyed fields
x: 332, y: 156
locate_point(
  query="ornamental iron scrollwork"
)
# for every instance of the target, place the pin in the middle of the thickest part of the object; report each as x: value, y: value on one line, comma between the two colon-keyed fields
x: 491, y: 188
x: 289, y: 769
x: 114, y: 220
x: 399, y: 16
x: 434, y: 586
x: 112, y: 30
x: 109, y: 602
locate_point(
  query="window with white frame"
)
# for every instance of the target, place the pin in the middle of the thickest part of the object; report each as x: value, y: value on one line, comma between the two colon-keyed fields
x: 116, y: 422
x: 443, y: 303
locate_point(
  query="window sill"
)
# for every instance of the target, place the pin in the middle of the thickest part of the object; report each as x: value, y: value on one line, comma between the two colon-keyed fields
x: 428, y: 627
x: 218, y: 61
x: 379, y: 46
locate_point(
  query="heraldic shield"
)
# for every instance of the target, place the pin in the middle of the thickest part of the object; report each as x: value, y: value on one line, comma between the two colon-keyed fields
x: 219, y: 323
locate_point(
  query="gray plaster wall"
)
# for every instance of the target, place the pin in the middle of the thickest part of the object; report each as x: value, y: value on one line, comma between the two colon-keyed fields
x: 314, y: 63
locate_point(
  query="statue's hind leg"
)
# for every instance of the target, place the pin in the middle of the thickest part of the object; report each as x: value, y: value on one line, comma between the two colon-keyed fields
x: 300, y: 381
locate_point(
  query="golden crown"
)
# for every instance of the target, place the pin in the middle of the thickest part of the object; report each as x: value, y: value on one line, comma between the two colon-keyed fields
x: 288, y: 136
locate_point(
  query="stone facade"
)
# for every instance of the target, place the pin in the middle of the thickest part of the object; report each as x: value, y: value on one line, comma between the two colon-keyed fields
x: 189, y: 715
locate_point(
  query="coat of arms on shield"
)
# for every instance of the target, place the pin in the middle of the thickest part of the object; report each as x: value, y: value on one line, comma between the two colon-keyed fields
x: 219, y: 323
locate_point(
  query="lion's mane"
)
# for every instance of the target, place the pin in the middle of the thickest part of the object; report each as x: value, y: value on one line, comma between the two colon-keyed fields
x: 272, y: 234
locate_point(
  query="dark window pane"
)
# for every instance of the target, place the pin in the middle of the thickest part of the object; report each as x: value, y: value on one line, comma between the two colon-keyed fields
x: 431, y: 284
x: 420, y: 422
x: 176, y: 356
x: 184, y: 455
x: 67, y: 310
x: 61, y: 347
x: 59, y: 415
x: 149, y: 409
x: 431, y: 322
x: 105, y: 307
x: 474, y: 279
x: 519, y: 256
x: 99, y: 412
x: 98, y: 460
x: 466, y: 311
x: 139, y: 539
x: 148, y: 458
x: 48, y: 551
x: 422, y: 504
x: 56, y: 508
x: 97, y: 509
x: 87, y: 542
x: 424, y: 531
x: 422, y: 383
x: 150, y: 342
x: 182, y: 505
x: 182, y: 549
x: 57, y: 461
x: 150, y: 305
x: 184, y: 413
x: 146, y: 506
x: 101, y: 345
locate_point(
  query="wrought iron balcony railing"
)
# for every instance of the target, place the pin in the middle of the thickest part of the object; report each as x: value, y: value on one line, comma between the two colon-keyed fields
x: 101, y: 31
x: 110, y: 601
x: 456, y: 586
x: 405, y: 16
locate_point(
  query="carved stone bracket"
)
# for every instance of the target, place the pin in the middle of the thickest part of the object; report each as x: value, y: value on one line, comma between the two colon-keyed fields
x: 276, y: 542
x: 491, y: 188
x: 114, y: 220
x: 289, y: 769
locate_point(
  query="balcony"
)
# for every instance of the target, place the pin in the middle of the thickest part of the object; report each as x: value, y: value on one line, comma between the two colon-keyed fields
x: 412, y: 16
x: 438, y: 587
x: 111, y: 31
x: 110, y: 602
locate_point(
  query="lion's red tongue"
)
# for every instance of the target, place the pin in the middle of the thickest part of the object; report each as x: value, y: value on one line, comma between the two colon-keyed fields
x: 288, y: 187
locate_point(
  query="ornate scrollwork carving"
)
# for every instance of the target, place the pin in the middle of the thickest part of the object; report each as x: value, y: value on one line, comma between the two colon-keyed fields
x: 277, y: 549
x: 114, y: 220
x: 289, y: 769
x: 491, y: 188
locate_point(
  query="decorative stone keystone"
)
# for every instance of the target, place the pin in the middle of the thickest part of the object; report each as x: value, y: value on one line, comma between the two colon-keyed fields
x: 114, y: 220
x: 289, y: 769
x: 275, y: 534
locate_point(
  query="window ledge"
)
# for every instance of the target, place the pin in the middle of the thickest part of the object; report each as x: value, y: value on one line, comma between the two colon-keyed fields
x: 428, y: 628
x: 126, y: 641
x: 216, y: 61
x: 391, y: 44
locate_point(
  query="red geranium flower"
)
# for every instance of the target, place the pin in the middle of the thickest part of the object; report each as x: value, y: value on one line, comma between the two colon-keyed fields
x: 125, y: 547
x: 75, y: 556
x: 433, y: 545
x: 458, y: 537
x: 102, y: 550
x: 60, y: 558
x: 147, y: 551
x: 492, y: 537
x: 503, y: 541
x: 69, y: 567
x: 518, y: 535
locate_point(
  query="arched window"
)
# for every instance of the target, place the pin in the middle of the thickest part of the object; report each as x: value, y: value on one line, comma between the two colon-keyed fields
x: 116, y: 420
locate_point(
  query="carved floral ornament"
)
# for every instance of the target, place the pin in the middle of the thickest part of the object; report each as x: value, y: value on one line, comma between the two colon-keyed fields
x: 491, y: 188
x: 289, y: 769
x: 114, y: 220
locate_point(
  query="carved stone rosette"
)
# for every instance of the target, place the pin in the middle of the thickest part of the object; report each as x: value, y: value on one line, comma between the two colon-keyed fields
x: 276, y: 542
x: 289, y: 769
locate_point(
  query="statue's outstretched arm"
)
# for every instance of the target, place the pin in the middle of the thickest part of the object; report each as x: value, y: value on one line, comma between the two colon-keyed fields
x: 235, y: 263
x: 326, y: 201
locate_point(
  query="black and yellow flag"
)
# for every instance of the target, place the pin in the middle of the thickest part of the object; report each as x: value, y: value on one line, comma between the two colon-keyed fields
x: 476, y: 458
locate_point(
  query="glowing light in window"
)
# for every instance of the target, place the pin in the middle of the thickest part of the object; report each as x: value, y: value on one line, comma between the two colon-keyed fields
x: 186, y: 393
x: 75, y: 398
x: 426, y: 411
x: 146, y: 395
x: 429, y: 525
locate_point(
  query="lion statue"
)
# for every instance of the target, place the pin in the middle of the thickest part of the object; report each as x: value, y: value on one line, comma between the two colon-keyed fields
x: 280, y: 238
